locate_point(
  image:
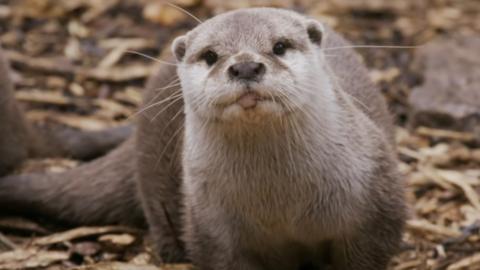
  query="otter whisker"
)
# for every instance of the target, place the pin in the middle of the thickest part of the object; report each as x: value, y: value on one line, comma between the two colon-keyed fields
x: 168, y: 86
x: 172, y: 83
x: 337, y: 85
x: 288, y: 124
x: 184, y: 11
x: 142, y: 110
x: 290, y: 151
x: 306, y: 87
x: 209, y: 103
x: 165, y: 148
x: 173, y: 101
x: 166, y: 128
x: 288, y: 100
x: 198, y: 101
x: 356, y: 100
x: 297, y: 133
x: 331, y: 55
x: 276, y: 150
x: 276, y: 154
x: 295, y: 104
x: 372, y: 47
x: 151, y: 58
x: 171, y: 120
x: 335, y: 80
x: 176, y: 148
x: 175, y: 82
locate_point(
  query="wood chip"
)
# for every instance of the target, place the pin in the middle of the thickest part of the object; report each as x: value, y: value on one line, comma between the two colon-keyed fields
x: 88, y: 248
x: 387, y: 75
x: 5, y: 242
x: 427, y: 227
x: 112, y: 57
x: 118, y: 239
x: 41, y: 96
x: 63, y: 66
x: 432, y: 174
x: 457, y: 179
x: 118, y: 266
x: 466, y: 263
x: 79, y: 233
x: 30, y: 258
x: 57, y: 66
x: 131, y: 43
x: 445, y: 134
x: 118, y: 74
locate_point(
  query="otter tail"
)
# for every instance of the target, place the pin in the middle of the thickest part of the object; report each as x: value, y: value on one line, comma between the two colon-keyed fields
x: 99, y: 192
x: 59, y: 141
x: 20, y: 140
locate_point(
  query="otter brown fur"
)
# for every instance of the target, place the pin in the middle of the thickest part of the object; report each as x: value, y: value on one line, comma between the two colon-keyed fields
x: 14, y: 137
x: 239, y: 176
x: 20, y: 139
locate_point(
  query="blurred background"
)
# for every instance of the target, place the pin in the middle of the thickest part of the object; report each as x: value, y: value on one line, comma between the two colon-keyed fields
x: 71, y: 65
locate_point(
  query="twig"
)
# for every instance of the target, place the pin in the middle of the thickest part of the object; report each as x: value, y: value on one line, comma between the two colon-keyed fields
x: 6, y: 242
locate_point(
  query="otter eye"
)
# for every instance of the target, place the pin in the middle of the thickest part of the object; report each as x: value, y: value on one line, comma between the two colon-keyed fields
x: 210, y: 57
x: 280, y: 48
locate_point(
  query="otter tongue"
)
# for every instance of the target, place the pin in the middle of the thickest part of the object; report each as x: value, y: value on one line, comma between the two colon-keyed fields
x: 248, y: 100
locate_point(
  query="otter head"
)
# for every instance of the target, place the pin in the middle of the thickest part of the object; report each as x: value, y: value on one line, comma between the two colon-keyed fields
x: 251, y: 65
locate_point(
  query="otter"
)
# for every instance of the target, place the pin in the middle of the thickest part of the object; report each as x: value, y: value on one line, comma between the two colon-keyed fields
x: 257, y: 151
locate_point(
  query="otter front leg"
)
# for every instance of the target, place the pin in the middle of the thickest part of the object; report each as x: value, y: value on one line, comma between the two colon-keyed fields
x: 160, y: 202
x: 370, y: 249
x: 212, y: 245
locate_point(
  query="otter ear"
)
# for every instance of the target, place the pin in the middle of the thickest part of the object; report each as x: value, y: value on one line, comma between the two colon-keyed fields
x: 315, y: 31
x: 179, y: 47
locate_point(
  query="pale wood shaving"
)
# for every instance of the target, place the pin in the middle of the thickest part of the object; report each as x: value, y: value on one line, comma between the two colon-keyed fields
x: 79, y: 233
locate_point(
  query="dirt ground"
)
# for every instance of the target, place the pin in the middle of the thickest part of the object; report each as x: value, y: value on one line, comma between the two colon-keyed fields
x: 73, y: 64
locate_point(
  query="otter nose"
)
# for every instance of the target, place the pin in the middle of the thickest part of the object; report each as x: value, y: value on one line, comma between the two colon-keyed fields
x: 248, y: 71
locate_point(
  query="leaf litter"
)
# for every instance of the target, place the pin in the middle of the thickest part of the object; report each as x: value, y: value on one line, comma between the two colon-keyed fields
x: 71, y: 66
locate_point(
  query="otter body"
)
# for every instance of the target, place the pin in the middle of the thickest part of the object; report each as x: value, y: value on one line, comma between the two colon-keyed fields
x: 275, y: 156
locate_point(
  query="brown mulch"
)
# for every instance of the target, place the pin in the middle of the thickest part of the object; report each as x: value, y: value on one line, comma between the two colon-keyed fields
x: 72, y: 66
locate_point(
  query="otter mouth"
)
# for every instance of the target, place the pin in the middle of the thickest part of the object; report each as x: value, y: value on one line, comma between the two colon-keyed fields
x: 251, y: 106
x: 250, y: 100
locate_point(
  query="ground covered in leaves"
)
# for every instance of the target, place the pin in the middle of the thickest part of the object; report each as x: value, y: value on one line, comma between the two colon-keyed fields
x: 72, y: 65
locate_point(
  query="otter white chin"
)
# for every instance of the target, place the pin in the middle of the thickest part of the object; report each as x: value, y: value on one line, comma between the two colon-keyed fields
x: 280, y: 158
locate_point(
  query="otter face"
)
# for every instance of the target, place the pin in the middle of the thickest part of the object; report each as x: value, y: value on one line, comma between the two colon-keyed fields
x: 250, y: 65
